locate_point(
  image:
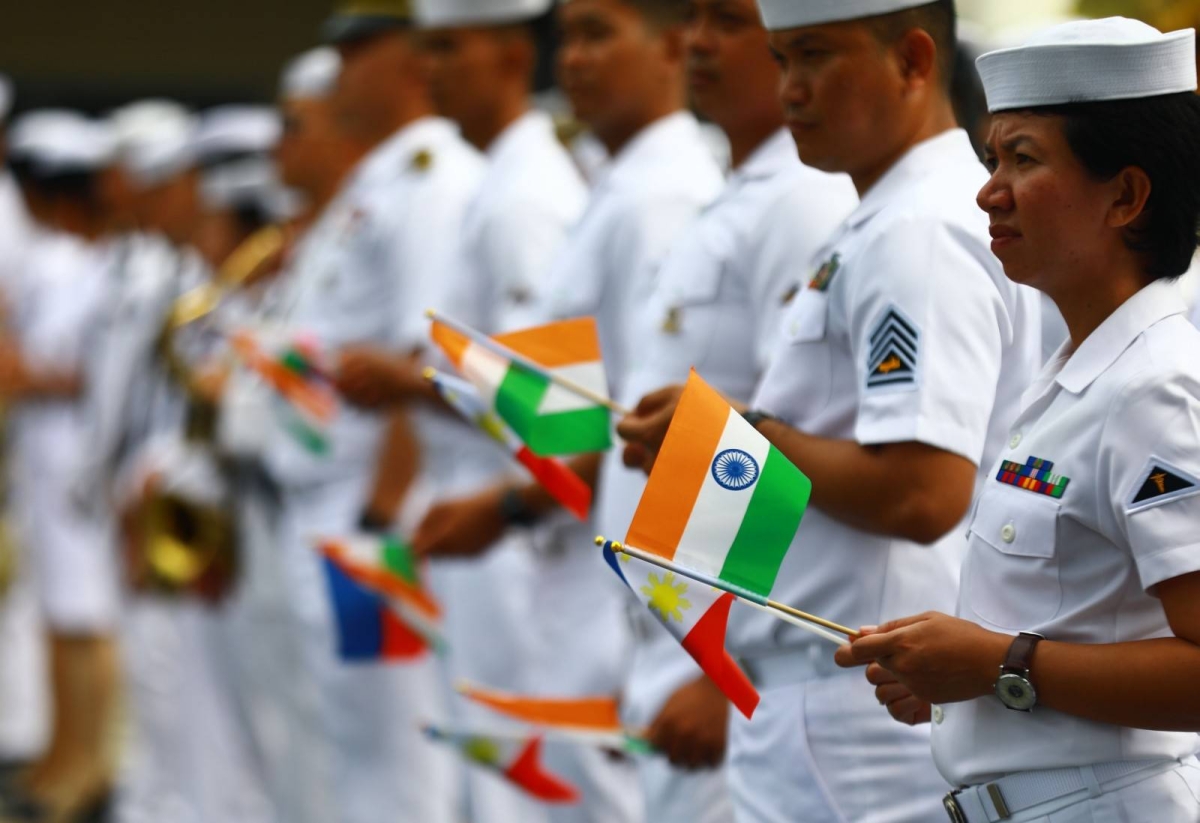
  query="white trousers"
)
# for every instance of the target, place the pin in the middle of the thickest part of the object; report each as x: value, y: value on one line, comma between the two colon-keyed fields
x: 189, y: 757
x: 488, y: 612
x: 583, y: 648
x: 660, y: 668
x: 825, y: 751
x: 364, y: 758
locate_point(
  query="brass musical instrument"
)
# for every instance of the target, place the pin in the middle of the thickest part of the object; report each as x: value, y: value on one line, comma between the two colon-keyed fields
x: 186, y: 546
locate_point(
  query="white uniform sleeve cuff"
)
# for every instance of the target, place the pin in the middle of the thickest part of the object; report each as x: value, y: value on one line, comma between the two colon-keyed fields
x: 1168, y: 564
x: 945, y: 435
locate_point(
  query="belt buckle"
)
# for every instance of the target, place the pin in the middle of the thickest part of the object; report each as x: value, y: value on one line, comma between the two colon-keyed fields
x: 954, y: 809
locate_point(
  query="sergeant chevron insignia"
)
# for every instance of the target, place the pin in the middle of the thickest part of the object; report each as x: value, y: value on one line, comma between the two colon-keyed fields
x: 1159, y: 483
x: 894, y: 357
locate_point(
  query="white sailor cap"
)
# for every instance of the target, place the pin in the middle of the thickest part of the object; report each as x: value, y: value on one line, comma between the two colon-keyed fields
x: 1090, y: 61
x: 778, y: 15
x: 6, y: 97
x: 233, y: 148
x: 154, y: 140
x: 312, y: 75
x: 446, y: 13
x: 54, y: 142
x: 229, y: 131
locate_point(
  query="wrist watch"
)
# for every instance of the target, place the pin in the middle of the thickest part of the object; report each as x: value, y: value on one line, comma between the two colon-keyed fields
x: 756, y: 418
x: 514, y: 511
x: 372, y: 523
x: 1013, y: 688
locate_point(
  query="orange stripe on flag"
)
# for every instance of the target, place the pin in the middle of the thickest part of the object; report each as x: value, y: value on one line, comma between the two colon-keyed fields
x: 453, y: 344
x: 591, y: 714
x: 680, y: 470
x: 557, y: 345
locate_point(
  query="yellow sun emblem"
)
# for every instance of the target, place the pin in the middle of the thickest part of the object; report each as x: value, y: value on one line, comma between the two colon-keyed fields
x: 666, y: 597
x: 482, y: 750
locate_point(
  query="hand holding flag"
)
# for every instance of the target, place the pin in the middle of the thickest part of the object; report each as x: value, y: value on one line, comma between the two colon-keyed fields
x: 716, y: 520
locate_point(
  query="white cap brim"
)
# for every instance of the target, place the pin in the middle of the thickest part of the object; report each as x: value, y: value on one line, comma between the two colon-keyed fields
x: 779, y: 15
x: 1048, y: 73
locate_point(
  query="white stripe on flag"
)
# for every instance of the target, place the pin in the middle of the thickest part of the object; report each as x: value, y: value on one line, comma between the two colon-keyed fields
x: 486, y: 370
x: 589, y: 375
x: 718, y: 513
x: 684, y: 600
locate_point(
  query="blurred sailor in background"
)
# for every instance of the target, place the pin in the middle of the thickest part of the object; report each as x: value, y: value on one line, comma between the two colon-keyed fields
x: 45, y: 369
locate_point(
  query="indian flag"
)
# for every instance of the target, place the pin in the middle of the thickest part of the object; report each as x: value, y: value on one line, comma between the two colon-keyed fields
x: 290, y: 368
x: 721, y: 500
x: 513, y: 376
x: 516, y: 758
x: 555, y: 476
x: 594, y: 720
x: 696, y: 615
x: 379, y: 598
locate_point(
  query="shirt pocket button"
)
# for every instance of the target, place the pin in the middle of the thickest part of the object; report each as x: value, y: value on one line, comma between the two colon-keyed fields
x: 1009, y: 533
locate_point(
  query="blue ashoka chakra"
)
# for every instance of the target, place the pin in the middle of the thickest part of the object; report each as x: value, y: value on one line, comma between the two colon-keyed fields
x: 735, y: 470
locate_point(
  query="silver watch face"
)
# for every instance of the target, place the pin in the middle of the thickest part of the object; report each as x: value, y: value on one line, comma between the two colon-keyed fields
x: 1016, y: 692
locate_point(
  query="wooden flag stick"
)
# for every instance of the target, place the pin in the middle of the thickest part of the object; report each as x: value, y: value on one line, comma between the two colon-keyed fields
x: 525, y: 362
x: 737, y: 591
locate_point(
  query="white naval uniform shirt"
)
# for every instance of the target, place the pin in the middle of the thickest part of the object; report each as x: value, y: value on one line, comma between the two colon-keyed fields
x: 718, y: 299
x: 1117, y: 421
x: 909, y: 332
x: 652, y: 189
x: 530, y: 196
x: 365, y: 272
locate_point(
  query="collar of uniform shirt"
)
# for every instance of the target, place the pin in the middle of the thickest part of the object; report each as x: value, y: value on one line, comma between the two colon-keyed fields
x: 1156, y: 302
x: 647, y: 147
x: 512, y: 136
x: 777, y: 153
x: 921, y: 160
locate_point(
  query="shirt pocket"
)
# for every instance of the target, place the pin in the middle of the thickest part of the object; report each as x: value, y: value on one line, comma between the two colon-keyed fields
x: 1011, y: 576
x: 807, y: 319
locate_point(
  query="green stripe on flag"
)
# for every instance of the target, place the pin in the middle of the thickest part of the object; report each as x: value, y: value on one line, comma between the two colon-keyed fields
x: 549, y: 435
x: 398, y: 559
x: 780, y: 498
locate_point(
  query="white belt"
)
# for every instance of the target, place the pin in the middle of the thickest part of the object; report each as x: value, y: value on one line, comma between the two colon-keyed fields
x: 1017, y: 793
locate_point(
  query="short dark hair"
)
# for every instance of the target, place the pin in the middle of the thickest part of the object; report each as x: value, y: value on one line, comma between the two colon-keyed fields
x: 661, y: 12
x: 73, y: 185
x: 1160, y: 136
x: 938, y: 19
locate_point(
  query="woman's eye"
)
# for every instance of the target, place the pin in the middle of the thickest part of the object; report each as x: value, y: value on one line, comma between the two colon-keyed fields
x: 991, y: 164
x: 1023, y: 158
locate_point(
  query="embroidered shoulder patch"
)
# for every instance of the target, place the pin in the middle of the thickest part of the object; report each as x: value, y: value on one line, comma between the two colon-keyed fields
x: 895, y: 349
x: 1160, y: 483
x: 1037, y: 476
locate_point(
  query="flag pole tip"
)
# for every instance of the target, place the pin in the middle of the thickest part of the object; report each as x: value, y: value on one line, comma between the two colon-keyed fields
x: 429, y: 373
x: 600, y: 541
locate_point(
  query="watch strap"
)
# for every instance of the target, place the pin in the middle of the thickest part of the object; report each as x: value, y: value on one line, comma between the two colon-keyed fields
x: 514, y: 510
x: 756, y: 418
x: 1020, y: 654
